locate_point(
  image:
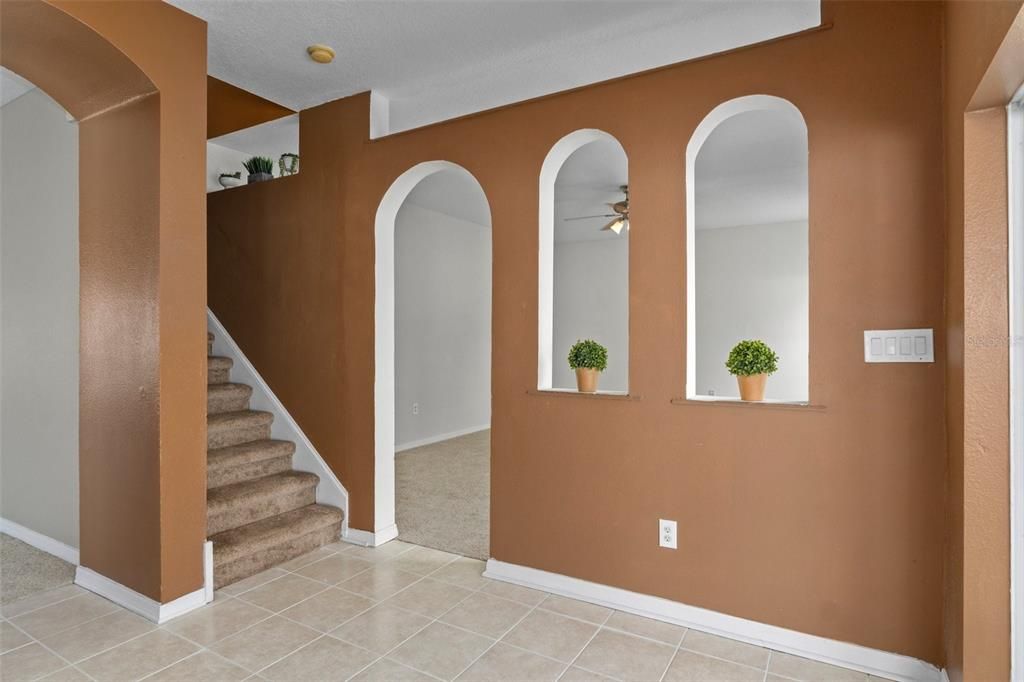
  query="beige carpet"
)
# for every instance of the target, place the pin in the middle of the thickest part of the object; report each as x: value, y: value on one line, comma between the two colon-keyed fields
x: 25, y: 570
x: 443, y: 495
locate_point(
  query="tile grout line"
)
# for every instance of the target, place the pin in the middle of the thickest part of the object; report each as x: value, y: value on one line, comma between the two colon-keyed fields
x: 672, y: 658
x: 47, y: 648
x: 59, y: 601
x: 495, y: 641
x: 580, y: 652
x: 435, y: 620
x: 767, y: 666
x: 419, y: 579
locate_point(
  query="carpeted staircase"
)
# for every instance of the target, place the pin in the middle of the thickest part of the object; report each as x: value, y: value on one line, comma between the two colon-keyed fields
x: 259, y: 512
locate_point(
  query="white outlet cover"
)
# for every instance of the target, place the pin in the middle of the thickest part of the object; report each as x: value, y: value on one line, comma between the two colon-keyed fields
x: 667, y: 534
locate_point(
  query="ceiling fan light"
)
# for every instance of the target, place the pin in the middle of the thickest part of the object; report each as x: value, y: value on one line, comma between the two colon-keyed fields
x: 617, y: 226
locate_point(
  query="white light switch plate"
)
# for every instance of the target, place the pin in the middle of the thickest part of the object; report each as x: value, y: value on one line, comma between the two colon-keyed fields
x: 899, y: 345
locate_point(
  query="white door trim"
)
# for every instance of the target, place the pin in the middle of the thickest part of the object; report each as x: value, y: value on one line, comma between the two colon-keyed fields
x: 1015, y: 220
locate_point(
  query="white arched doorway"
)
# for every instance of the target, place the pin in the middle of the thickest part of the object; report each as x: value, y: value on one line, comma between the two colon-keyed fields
x: 451, y: 188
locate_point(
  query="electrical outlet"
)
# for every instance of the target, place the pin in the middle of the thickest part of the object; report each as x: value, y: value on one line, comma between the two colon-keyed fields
x: 415, y: 408
x: 667, y: 534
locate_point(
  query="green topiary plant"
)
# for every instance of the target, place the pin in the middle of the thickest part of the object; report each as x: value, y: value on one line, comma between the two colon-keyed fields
x: 588, y: 354
x: 259, y: 164
x: 748, y: 358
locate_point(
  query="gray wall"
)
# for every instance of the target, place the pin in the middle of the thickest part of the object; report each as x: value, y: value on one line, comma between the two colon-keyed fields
x: 752, y: 283
x: 442, y: 324
x: 591, y: 301
x: 39, y: 317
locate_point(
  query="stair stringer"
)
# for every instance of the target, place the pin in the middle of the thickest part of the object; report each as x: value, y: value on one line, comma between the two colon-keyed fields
x: 329, y: 490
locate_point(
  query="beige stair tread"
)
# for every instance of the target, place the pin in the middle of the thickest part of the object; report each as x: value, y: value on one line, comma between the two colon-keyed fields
x: 261, y: 535
x: 247, y: 453
x: 227, y: 389
x: 241, y: 418
x: 218, y: 362
x: 219, y: 499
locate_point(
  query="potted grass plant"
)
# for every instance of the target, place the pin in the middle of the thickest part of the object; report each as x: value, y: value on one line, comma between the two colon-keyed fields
x: 260, y: 169
x: 751, y: 362
x: 588, y: 358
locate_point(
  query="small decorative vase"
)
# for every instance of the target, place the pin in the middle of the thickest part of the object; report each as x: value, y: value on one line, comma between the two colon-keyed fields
x: 289, y: 164
x: 227, y: 181
x: 260, y: 177
x: 752, y: 386
x: 586, y: 379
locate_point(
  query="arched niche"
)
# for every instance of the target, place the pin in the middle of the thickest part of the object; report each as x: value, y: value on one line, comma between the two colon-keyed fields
x: 384, y: 338
x: 788, y: 131
x: 554, y: 162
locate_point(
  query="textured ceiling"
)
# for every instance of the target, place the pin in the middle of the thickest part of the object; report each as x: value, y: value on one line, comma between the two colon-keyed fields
x: 439, y: 59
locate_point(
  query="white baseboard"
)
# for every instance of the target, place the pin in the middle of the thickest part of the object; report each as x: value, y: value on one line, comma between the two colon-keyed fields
x: 40, y: 541
x: 208, y: 571
x: 365, y: 538
x: 329, y: 491
x: 139, y: 603
x: 440, y: 437
x: 872, y: 661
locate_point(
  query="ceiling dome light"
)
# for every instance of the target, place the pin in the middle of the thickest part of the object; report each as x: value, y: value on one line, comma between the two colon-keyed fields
x: 321, y: 54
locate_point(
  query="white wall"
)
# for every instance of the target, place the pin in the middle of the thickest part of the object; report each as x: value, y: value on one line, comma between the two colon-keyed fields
x: 591, y: 301
x: 442, y: 325
x: 752, y: 283
x: 223, y: 160
x: 39, y: 317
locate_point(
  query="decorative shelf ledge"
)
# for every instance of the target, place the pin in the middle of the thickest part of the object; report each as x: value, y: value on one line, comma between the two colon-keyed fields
x: 755, y: 404
x: 568, y: 392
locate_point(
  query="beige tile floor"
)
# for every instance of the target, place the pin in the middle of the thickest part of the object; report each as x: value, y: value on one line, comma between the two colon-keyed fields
x: 398, y: 612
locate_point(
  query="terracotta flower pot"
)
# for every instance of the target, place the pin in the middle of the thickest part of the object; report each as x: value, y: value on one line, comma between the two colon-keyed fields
x: 586, y: 379
x: 752, y: 386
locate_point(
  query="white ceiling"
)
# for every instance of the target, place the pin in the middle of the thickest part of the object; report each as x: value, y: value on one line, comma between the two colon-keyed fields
x: 12, y: 86
x: 439, y: 59
x: 752, y: 170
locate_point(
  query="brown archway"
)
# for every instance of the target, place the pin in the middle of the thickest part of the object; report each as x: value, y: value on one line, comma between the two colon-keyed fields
x: 134, y: 75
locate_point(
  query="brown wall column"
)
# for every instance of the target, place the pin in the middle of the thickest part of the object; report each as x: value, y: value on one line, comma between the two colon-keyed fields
x: 134, y: 74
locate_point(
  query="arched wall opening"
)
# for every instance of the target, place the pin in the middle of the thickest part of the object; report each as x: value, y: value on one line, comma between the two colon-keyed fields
x: 747, y: 246
x: 141, y: 427
x: 583, y: 267
x: 386, y: 221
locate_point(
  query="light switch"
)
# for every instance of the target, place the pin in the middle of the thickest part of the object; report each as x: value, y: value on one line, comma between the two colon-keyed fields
x: 898, y: 345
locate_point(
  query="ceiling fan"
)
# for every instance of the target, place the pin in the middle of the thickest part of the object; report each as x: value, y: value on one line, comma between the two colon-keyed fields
x: 620, y: 214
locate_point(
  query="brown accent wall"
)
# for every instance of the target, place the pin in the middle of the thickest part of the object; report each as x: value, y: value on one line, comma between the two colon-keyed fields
x: 135, y: 75
x: 983, y: 66
x: 230, y: 108
x: 829, y: 522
